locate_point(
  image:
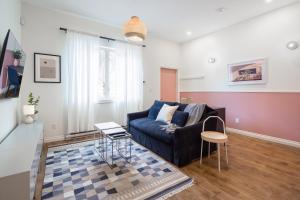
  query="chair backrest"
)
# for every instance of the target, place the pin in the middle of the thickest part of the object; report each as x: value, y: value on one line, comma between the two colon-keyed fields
x: 217, y: 117
x: 13, y: 76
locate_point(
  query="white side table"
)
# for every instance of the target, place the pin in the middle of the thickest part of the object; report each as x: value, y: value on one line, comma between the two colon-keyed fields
x: 115, y: 134
x: 214, y: 137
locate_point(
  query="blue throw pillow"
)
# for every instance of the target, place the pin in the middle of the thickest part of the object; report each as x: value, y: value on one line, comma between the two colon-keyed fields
x: 155, y: 108
x: 180, y: 118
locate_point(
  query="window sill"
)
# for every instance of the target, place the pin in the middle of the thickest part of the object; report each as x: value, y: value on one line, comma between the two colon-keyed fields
x: 105, y: 101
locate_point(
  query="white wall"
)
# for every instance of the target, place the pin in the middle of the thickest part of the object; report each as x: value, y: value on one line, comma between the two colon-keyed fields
x: 10, y: 17
x: 158, y: 53
x: 265, y: 36
x: 40, y: 34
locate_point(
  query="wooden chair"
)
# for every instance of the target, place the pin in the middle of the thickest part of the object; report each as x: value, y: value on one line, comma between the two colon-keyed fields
x: 214, y: 137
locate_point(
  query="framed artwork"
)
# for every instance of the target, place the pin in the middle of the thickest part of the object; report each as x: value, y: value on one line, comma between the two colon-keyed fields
x: 47, y: 68
x: 249, y: 72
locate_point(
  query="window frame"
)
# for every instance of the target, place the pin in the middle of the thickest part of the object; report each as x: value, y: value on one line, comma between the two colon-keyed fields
x: 106, y: 98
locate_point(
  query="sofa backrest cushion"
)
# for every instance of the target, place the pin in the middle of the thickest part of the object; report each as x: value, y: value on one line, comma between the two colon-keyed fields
x: 208, y: 111
x: 180, y: 118
x: 181, y: 106
x: 155, y: 108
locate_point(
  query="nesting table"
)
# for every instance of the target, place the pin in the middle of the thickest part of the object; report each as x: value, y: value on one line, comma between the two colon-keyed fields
x: 112, y: 138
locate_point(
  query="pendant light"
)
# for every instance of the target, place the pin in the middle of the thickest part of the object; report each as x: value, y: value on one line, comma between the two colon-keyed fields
x: 135, y: 29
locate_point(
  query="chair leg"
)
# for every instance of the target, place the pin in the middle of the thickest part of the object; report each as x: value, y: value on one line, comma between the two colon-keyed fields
x: 209, y: 149
x: 201, y: 152
x: 226, y: 153
x: 219, y: 163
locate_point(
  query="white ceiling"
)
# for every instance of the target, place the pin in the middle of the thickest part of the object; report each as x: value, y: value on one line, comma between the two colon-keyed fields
x: 169, y: 19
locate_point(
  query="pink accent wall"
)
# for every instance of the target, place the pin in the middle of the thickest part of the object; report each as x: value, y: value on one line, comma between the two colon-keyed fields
x: 268, y: 113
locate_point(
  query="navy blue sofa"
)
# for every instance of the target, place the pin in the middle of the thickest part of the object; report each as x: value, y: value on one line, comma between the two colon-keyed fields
x: 180, y: 147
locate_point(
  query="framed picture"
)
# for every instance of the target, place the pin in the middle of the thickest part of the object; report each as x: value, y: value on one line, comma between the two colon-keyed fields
x: 47, y: 68
x: 249, y: 72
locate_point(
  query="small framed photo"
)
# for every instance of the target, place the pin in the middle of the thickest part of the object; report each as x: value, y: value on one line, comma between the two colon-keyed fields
x: 47, y: 68
x: 249, y: 72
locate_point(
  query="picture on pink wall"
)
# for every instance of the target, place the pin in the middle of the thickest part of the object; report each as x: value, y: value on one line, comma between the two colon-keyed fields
x: 249, y: 72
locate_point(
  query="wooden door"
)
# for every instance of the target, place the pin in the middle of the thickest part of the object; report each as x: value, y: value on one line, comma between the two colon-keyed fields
x: 168, y: 84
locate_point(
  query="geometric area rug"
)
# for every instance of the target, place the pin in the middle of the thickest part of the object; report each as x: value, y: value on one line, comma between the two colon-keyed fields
x: 76, y: 171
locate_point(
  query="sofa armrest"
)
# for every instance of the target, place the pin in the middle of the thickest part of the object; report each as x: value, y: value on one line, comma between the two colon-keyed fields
x: 136, y: 115
x: 184, y: 140
x: 189, y: 129
x: 188, y: 139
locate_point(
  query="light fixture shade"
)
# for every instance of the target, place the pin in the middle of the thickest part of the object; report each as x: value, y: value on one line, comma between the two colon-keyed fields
x: 135, y: 29
x: 28, y: 109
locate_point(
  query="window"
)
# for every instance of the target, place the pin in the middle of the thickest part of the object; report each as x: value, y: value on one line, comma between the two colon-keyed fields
x: 105, y: 75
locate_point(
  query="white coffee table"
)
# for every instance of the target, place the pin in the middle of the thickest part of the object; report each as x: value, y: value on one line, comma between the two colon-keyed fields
x: 113, y: 133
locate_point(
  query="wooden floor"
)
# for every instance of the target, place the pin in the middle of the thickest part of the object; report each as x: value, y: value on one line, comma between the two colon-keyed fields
x: 257, y: 170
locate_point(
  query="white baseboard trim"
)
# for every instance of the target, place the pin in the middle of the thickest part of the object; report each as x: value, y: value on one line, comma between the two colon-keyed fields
x: 264, y: 137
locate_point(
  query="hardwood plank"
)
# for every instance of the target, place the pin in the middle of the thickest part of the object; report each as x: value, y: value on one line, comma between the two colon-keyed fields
x: 257, y: 170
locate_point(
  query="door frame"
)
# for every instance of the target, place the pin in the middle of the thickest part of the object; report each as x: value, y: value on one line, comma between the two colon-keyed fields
x: 177, y: 81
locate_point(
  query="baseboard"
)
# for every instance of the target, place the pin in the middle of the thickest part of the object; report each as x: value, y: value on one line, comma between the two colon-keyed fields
x: 64, y: 137
x: 54, y: 138
x: 228, y: 129
x: 264, y: 137
x: 81, y: 134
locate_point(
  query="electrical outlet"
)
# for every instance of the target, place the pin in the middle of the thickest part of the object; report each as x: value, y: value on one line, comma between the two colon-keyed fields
x: 237, y: 120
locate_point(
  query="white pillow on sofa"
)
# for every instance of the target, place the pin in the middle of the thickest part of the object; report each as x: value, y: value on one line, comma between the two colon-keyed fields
x: 166, y: 113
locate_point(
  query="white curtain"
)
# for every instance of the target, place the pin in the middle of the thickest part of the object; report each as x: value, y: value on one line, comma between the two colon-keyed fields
x: 82, y: 64
x: 82, y: 68
x: 127, y: 84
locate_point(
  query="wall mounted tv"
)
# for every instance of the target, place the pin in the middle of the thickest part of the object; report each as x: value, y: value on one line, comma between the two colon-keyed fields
x: 12, y: 63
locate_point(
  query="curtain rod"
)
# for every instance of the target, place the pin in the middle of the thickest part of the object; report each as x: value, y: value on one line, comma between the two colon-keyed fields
x: 102, y: 37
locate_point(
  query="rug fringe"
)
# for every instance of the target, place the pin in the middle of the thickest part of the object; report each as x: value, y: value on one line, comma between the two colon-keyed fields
x: 166, y: 196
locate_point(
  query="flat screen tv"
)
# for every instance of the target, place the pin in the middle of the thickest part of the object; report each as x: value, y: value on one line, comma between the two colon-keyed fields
x: 12, y: 61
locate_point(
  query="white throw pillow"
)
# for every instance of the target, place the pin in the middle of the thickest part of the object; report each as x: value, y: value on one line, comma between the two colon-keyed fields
x: 166, y: 113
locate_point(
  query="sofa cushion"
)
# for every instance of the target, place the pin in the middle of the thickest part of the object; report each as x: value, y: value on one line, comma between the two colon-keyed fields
x: 180, y: 118
x: 155, y: 108
x: 181, y: 106
x: 152, y: 128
